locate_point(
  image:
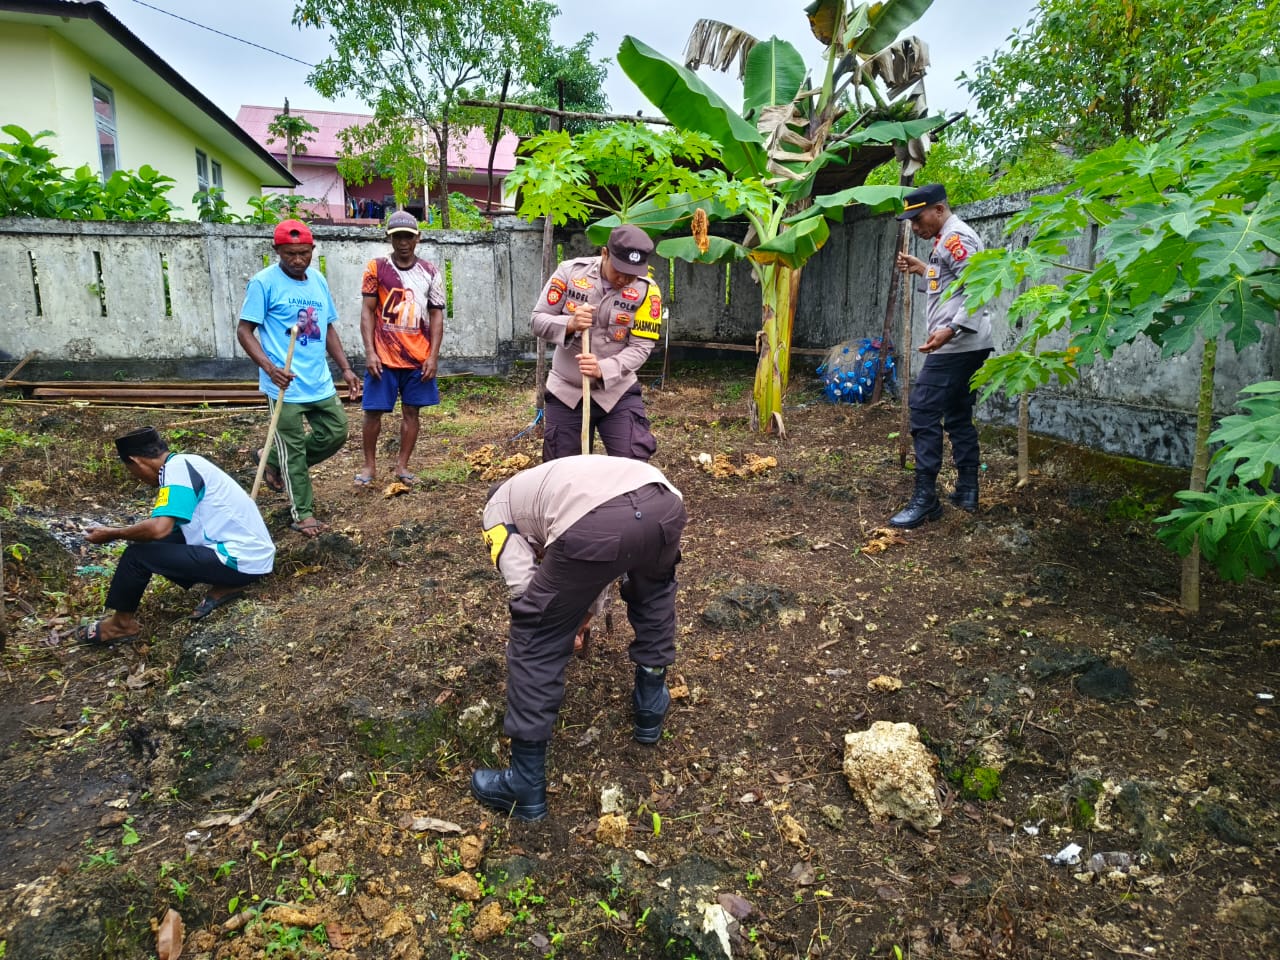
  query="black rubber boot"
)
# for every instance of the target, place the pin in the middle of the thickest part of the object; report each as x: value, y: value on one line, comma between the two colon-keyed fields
x: 521, y: 789
x: 965, y: 495
x: 923, y: 506
x: 651, y: 700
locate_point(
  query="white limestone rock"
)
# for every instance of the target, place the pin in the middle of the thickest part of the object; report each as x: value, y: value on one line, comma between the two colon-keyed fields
x: 893, y: 774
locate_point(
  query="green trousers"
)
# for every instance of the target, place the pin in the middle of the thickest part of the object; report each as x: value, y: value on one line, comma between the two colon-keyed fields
x: 296, y: 449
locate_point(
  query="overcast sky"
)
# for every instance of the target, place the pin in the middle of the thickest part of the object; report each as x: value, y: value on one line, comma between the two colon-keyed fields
x: 958, y: 32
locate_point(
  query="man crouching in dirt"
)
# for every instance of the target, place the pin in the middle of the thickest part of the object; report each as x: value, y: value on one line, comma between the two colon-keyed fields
x: 203, y: 528
x: 591, y: 519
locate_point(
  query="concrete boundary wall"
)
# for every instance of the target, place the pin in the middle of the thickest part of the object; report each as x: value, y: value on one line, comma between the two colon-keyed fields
x: 98, y: 300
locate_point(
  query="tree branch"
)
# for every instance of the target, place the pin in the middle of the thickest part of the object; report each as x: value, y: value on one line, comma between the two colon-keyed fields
x: 562, y: 114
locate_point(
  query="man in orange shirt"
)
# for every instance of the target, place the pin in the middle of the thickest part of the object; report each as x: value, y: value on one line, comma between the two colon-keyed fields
x: 402, y: 324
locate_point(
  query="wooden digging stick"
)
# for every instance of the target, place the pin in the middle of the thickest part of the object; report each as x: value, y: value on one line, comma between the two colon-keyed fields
x: 275, y: 418
x: 586, y: 398
x: 890, y: 311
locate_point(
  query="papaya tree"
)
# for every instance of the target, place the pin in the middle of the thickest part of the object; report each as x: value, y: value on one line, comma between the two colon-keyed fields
x: 790, y: 129
x: 1188, y: 232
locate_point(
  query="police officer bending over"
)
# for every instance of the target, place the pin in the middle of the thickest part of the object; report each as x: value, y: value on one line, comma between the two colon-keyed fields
x: 591, y: 519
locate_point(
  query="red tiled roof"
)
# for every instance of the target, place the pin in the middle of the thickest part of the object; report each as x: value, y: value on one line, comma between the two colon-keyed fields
x: 326, y: 144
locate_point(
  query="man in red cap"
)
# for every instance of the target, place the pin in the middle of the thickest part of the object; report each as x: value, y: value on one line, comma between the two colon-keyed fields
x: 614, y: 296
x: 284, y: 294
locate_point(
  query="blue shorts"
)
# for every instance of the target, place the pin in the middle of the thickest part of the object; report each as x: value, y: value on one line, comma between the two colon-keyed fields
x: 380, y: 392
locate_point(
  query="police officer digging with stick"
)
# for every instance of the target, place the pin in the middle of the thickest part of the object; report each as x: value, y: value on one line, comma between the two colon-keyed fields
x: 591, y: 519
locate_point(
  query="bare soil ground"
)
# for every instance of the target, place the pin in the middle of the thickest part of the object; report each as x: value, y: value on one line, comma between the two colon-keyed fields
x: 290, y: 775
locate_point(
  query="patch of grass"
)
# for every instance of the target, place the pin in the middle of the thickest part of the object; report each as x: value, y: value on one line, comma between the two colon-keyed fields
x: 732, y: 392
x: 451, y: 471
x: 10, y: 439
x: 454, y: 426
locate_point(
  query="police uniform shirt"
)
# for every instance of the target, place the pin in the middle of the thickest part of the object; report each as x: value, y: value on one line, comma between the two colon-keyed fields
x: 952, y: 247
x: 534, y: 508
x: 625, y: 327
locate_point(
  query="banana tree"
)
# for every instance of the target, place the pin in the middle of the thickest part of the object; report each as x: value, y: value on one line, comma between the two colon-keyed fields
x: 773, y: 151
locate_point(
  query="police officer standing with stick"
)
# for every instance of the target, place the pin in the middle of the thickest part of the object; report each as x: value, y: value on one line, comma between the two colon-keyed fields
x: 612, y: 297
x: 956, y: 345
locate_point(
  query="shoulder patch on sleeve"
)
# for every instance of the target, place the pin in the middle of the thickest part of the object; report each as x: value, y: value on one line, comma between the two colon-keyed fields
x: 955, y: 246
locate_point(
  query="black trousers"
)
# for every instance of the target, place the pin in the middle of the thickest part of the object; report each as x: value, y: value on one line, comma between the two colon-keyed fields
x: 624, y: 430
x: 174, y: 559
x: 941, y: 399
x: 636, y: 533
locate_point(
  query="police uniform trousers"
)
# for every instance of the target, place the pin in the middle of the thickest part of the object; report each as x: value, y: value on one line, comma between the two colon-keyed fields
x: 624, y: 430
x: 942, y: 399
x: 637, y: 534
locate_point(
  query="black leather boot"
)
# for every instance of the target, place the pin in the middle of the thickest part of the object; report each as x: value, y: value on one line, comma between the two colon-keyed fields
x: 923, y: 506
x: 651, y: 700
x: 521, y: 789
x: 965, y: 495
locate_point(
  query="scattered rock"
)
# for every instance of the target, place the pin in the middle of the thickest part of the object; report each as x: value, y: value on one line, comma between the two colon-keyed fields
x: 893, y: 774
x: 1252, y: 912
x: 751, y: 605
x: 686, y: 906
x: 611, y: 831
x: 969, y: 632
x: 1224, y: 824
x: 490, y: 922
x: 612, y: 800
x: 397, y: 924
x: 1108, y: 684
x: 1013, y: 540
x: 794, y: 833
x: 883, y: 684
x: 461, y: 886
x: 470, y: 851
x: 373, y: 909
x: 410, y: 737
x: 329, y: 549
x: 1054, y: 662
x: 833, y: 816
x: 1052, y: 582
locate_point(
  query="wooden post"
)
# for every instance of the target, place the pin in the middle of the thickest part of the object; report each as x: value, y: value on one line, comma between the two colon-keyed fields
x: 586, y: 398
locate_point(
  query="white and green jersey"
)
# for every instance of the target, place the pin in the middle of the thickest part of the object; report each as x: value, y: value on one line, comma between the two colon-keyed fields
x: 212, y: 510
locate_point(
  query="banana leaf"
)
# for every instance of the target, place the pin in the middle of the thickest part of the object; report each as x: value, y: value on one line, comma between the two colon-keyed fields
x: 878, y: 199
x: 775, y: 72
x: 692, y: 105
x: 719, y: 251
x: 887, y: 20
x: 823, y: 16
x: 656, y: 217
x: 793, y: 248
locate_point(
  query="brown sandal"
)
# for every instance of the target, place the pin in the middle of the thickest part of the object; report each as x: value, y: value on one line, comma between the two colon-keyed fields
x: 310, y: 527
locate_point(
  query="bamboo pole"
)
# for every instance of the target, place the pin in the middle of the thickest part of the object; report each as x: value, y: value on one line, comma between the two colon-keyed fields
x: 275, y: 418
